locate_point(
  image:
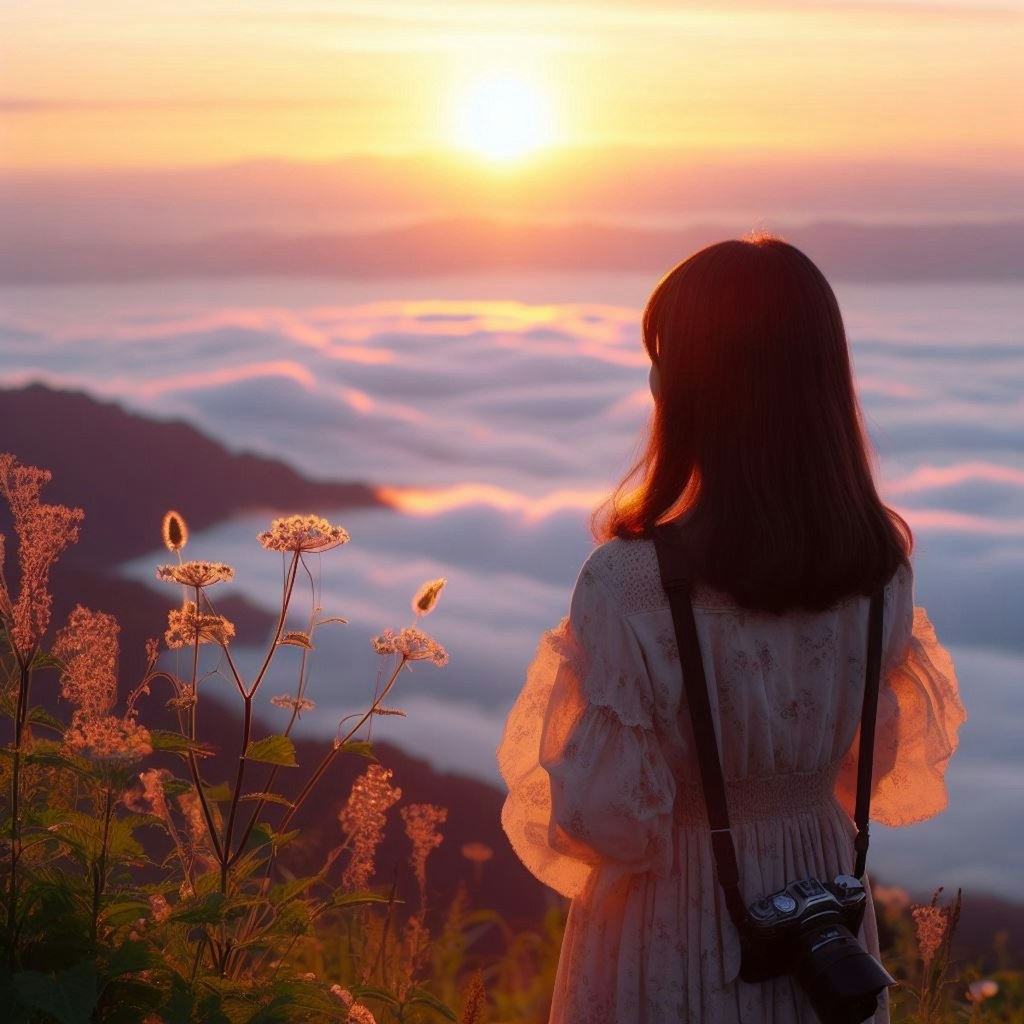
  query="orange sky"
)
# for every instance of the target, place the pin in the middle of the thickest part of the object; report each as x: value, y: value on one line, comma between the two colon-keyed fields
x: 129, y: 83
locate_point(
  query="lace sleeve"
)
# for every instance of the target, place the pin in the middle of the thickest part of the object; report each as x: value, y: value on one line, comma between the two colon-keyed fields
x: 919, y: 715
x: 586, y: 776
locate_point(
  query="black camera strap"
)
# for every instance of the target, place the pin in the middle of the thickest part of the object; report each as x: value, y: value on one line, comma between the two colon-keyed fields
x: 677, y: 580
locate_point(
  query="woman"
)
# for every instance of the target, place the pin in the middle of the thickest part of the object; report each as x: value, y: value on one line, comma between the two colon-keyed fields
x: 758, y: 456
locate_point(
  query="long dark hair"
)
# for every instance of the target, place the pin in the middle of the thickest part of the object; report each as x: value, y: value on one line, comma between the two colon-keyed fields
x: 757, y: 443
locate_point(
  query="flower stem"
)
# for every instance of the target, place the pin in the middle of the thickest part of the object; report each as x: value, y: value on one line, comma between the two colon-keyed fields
x: 288, y: 588
x: 332, y: 753
x: 100, y: 868
x: 226, y: 860
x: 24, y: 681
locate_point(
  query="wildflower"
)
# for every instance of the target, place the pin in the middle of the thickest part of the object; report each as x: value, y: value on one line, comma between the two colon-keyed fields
x: 185, y: 700
x: 412, y: 644
x: 357, y: 1013
x: 287, y: 701
x: 195, y: 574
x: 174, y: 530
x: 107, y: 737
x: 362, y: 820
x: 342, y: 994
x: 87, y: 649
x: 477, y: 852
x: 930, y: 923
x: 184, y: 624
x: 934, y: 926
x: 892, y: 897
x: 191, y: 806
x: 152, y: 799
x: 159, y: 908
x: 416, y: 939
x: 420, y: 826
x: 426, y: 597
x: 43, y: 532
x: 979, y: 991
x: 476, y: 1000
x: 302, y: 534
x: 198, y: 833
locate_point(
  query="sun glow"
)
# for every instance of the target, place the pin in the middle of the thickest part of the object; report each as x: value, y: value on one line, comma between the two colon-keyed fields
x: 503, y: 118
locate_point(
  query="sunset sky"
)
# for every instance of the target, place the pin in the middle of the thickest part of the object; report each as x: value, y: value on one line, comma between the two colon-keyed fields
x: 119, y: 83
x: 406, y: 243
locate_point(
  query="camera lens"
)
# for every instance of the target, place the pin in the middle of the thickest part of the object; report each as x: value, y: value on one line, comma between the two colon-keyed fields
x: 842, y: 981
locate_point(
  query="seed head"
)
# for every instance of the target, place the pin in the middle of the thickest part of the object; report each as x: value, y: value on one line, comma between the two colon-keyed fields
x: 184, y: 624
x: 412, y: 644
x: 363, y: 819
x: 299, y: 704
x: 426, y: 597
x: 302, y: 534
x: 195, y: 574
x: 174, y: 530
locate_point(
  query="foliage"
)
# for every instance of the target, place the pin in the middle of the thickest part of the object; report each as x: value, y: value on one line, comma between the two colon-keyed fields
x: 135, y: 888
x: 134, y: 891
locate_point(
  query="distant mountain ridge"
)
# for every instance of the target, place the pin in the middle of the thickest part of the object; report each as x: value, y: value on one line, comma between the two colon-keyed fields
x: 845, y: 251
x: 126, y: 471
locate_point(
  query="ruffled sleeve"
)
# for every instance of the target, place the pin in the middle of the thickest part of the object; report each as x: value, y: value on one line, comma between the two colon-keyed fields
x: 919, y: 715
x: 587, y: 780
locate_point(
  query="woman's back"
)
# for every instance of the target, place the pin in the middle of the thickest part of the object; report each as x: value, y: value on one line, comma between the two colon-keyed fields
x: 605, y: 802
x: 758, y: 456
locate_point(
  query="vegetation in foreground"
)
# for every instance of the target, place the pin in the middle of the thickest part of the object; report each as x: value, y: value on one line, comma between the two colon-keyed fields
x: 136, y: 888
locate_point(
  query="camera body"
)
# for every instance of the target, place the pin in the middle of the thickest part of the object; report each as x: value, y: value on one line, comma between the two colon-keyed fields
x: 808, y: 929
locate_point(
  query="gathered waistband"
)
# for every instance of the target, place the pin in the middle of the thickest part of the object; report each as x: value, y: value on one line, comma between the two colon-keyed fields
x: 754, y: 799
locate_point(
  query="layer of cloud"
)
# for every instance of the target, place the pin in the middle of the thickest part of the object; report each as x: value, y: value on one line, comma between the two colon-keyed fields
x: 499, y: 425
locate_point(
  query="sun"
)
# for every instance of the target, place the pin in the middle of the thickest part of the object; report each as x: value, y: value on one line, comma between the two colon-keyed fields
x: 503, y: 118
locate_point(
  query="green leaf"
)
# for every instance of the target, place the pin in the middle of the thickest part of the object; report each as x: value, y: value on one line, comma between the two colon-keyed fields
x: 219, y: 794
x: 44, y: 659
x: 130, y: 957
x: 362, y: 992
x: 126, y: 912
x: 421, y: 997
x: 175, y: 787
x: 280, y: 839
x: 70, y: 997
x: 350, y: 900
x: 277, y: 750
x: 40, y: 716
x: 285, y: 891
x: 270, y: 798
x: 208, y: 910
x: 175, y: 743
x: 361, y: 747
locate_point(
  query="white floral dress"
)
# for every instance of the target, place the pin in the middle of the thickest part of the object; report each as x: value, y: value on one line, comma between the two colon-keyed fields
x: 594, y: 756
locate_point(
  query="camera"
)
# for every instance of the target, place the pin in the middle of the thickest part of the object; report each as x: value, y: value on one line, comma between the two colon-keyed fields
x: 807, y: 929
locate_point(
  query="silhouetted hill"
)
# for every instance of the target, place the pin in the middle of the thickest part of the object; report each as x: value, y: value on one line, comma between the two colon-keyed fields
x: 126, y: 471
